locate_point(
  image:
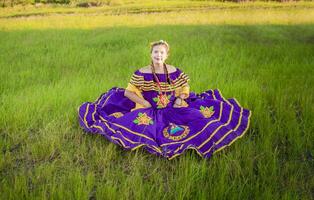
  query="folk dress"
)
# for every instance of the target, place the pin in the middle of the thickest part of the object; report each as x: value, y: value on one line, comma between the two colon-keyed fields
x: 206, y: 122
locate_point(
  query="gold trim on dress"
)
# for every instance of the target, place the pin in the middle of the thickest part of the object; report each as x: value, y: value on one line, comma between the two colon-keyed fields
x: 140, y: 82
x: 116, y: 114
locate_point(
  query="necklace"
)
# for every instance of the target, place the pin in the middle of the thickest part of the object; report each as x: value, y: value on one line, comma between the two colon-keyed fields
x: 162, y: 100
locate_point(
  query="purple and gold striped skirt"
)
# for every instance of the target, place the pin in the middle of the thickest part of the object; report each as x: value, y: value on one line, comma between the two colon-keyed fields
x: 208, y: 124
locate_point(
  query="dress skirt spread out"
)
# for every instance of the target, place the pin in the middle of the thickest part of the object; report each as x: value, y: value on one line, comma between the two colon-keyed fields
x: 206, y: 122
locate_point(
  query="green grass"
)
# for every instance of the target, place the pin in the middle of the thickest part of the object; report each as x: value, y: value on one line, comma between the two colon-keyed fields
x: 47, y: 73
x: 144, y: 6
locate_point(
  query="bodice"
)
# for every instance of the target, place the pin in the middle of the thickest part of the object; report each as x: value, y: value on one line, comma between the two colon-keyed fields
x: 145, y: 86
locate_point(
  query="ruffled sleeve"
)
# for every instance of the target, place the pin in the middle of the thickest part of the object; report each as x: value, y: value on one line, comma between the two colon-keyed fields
x: 135, y: 85
x: 182, y: 84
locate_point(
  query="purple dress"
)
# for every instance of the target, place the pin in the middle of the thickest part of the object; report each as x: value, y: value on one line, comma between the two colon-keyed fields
x: 207, y: 122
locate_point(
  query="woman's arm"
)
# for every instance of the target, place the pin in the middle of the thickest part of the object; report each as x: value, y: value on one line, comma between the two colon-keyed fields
x: 183, y: 94
x: 136, y: 99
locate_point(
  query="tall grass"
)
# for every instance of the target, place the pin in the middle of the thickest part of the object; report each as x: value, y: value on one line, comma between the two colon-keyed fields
x: 46, y: 74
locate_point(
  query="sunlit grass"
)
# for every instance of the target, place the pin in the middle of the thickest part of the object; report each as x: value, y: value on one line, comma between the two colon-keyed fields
x: 140, y: 6
x: 49, y: 68
x: 237, y: 17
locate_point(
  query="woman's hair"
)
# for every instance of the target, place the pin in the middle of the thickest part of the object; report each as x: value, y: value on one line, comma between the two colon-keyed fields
x: 160, y: 42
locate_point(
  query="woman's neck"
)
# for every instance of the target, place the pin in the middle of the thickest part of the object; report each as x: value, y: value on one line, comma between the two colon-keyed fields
x: 158, y: 67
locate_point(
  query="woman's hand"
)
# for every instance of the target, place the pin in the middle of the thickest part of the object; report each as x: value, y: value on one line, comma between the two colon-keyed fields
x: 176, y: 106
x: 177, y: 103
x: 146, y: 104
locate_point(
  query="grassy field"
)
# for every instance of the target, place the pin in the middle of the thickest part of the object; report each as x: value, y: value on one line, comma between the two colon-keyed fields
x: 51, y: 64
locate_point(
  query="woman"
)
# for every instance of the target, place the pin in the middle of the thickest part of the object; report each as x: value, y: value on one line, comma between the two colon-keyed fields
x: 158, y: 111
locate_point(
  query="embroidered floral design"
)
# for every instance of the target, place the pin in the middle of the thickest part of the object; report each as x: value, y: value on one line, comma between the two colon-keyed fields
x: 143, y: 119
x: 176, y: 132
x: 162, y: 100
x: 116, y: 114
x: 207, y: 111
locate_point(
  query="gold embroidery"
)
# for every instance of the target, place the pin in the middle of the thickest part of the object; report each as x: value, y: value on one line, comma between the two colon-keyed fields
x: 143, y: 119
x: 172, y: 128
x: 149, y: 85
x: 162, y: 84
x: 182, y: 76
x: 144, y: 85
x: 207, y: 111
x: 116, y: 114
x: 162, y: 100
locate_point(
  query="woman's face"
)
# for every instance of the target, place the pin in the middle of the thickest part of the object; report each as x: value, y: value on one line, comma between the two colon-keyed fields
x: 159, y: 54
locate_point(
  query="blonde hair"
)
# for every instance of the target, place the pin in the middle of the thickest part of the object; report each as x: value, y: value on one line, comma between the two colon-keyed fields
x: 160, y: 42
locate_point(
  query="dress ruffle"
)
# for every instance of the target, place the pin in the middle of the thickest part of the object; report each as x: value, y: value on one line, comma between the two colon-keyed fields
x: 209, y: 123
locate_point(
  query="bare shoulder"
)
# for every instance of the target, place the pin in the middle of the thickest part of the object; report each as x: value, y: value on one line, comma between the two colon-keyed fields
x: 171, y: 68
x: 145, y: 69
